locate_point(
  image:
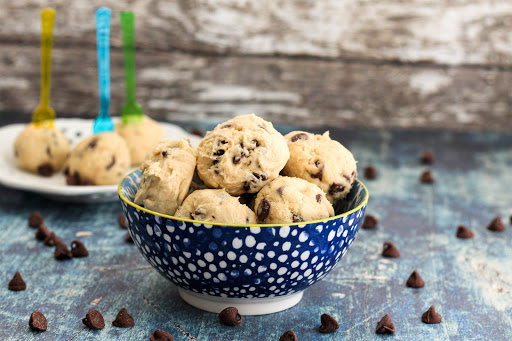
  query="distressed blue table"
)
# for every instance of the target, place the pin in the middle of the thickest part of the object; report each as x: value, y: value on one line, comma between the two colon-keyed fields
x: 469, y: 281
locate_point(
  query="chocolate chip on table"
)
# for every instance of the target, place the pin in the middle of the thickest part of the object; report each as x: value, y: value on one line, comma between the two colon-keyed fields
x: 37, y: 321
x: 94, y: 320
x: 123, y: 319
x: 35, y: 219
x: 161, y: 335
x: 431, y: 316
x: 45, y: 169
x: 128, y: 238
x: 370, y: 172
x: 329, y: 324
x: 336, y: 188
x: 263, y: 210
x: 496, y: 225
x: 389, y: 250
x: 427, y: 158
x: 17, y: 283
x: 52, y: 239
x: 464, y: 232
x: 230, y: 316
x: 415, y: 280
x: 300, y: 136
x: 78, y: 249
x: 61, y: 251
x: 288, y: 335
x: 427, y: 177
x: 122, y: 221
x: 42, y: 232
x: 369, y: 222
x: 385, y: 325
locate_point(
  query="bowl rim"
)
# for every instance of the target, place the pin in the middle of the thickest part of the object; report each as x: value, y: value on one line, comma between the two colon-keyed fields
x: 131, y: 203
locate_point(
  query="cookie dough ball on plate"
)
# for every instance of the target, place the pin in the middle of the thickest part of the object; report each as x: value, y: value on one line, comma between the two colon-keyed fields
x: 140, y: 137
x: 166, y: 176
x: 241, y: 155
x: 322, y: 161
x: 291, y: 200
x: 101, y: 159
x: 215, y: 205
x: 41, y: 150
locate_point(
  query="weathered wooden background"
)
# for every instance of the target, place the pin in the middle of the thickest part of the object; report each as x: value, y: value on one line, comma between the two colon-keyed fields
x: 381, y: 63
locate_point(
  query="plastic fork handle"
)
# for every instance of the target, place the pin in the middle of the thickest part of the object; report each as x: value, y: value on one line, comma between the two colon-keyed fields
x: 127, y: 25
x: 103, y: 15
x: 47, y: 19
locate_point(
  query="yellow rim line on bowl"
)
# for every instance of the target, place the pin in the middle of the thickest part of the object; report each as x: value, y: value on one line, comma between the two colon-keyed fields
x: 127, y: 201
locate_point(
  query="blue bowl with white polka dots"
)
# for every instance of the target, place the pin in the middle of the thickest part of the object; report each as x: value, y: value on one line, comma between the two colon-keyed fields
x: 257, y: 268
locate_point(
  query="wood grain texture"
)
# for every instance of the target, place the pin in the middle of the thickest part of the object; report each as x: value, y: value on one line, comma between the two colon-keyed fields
x: 469, y: 281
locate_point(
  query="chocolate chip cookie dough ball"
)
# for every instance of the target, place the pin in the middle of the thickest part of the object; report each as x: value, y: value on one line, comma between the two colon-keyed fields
x: 140, y: 137
x: 291, y: 200
x: 101, y: 159
x: 241, y: 155
x: 322, y: 161
x: 215, y: 205
x: 41, y: 150
x: 166, y: 176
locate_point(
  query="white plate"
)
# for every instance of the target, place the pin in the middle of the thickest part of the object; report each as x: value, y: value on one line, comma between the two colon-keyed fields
x: 55, y: 186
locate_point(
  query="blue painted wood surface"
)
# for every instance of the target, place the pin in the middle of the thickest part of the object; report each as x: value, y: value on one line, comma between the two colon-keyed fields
x: 469, y: 281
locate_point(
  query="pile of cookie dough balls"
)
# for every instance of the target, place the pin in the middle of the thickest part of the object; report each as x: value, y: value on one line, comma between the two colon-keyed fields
x: 245, y: 172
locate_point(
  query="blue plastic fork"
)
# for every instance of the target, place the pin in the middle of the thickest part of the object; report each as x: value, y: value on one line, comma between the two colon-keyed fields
x: 103, y: 122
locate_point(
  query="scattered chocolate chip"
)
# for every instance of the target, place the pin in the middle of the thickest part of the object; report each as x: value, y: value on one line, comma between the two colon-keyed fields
x: 427, y: 177
x: 123, y: 319
x: 336, y: 188
x: 42, y: 232
x: 427, y: 157
x: 318, y: 198
x: 128, y: 238
x: 51, y: 239
x: 370, y: 172
x: 198, y: 131
x: 300, y: 136
x: 78, y: 249
x: 329, y: 324
x: 288, y: 335
x: 61, y: 251
x: 122, y: 221
x: 161, y: 335
x: 415, y: 280
x: 464, y: 232
x: 37, y: 321
x: 263, y: 210
x: 297, y: 219
x: 93, y: 143
x: 385, y: 325
x: 112, y: 163
x: 219, y: 152
x: 389, y: 250
x: 369, y: 222
x: 45, y: 169
x: 496, y: 225
x: 431, y: 316
x: 35, y: 219
x: 94, y: 320
x: 17, y: 283
x: 230, y: 316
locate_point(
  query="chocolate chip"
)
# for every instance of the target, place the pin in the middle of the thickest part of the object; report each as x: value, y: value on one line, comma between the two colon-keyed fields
x: 122, y: 221
x: 385, y: 325
x: 329, y: 324
x: 256, y: 143
x: 45, y: 169
x: 431, y: 316
x: 51, y: 239
x: 123, y: 319
x: 370, y: 172
x: 297, y: 219
x: 73, y: 179
x: 427, y: 157
x: 161, y: 335
x: 427, y: 177
x: 128, y: 238
x: 389, y: 250
x: 464, y: 232
x: 225, y: 126
x: 37, y: 321
x: 415, y: 280
x: 61, y: 251
x: 94, y: 320
x: 35, y: 219
x: 369, y: 222
x: 198, y: 131
x: 288, y: 335
x: 42, y: 232
x: 300, y: 136
x: 230, y: 316
x: 164, y: 153
x: 17, y: 283
x: 319, y: 198
x: 263, y: 210
x: 93, y: 143
x: 496, y: 225
x: 336, y: 188
x: 318, y: 175
x: 220, y: 142
x: 280, y: 190
x: 237, y: 159
x: 219, y: 152
x: 112, y: 163
x: 78, y: 249
x: 247, y: 186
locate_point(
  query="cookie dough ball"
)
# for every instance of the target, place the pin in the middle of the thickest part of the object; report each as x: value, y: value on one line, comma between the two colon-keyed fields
x: 101, y: 159
x: 241, y: 155
x: 215, y: 205
x: 166, y: 176
x: 322, y: 161
x: 140, y: 137
x: 291, y: 200
x: 41, y: 150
